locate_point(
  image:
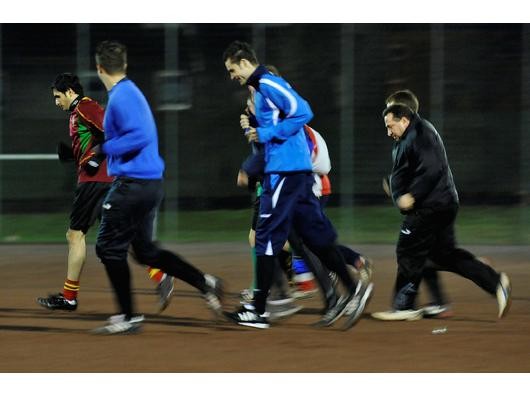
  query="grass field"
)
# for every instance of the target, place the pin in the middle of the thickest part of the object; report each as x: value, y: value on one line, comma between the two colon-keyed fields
x: 495, y: 225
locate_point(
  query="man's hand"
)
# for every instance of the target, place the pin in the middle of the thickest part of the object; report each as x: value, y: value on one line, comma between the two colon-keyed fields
x: 386, y: 186
x: 244, y: 121
x: 252, y: 135
x: 91, y: 160
x: 242, y: 178
x: 406, y: 202
x: 65, y: 152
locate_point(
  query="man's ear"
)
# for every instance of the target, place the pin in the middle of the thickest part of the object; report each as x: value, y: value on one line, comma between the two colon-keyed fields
x: 244, y: 63
x: 100, y: 69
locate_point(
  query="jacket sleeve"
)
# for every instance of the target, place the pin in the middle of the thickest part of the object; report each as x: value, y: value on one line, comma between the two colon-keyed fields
x: 296, y: 110
x: 321, y: 161
x: 254, y: 164
x: 128, y: 135
x: 92, y: 114
x: 427, y: 168
x: 399, y: 179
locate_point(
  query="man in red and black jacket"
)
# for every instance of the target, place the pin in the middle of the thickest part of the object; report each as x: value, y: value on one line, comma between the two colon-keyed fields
x: 93, y: 183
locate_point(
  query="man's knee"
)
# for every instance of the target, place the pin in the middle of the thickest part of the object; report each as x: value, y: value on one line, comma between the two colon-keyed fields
x: 147, y: 254
x: 107, y: 253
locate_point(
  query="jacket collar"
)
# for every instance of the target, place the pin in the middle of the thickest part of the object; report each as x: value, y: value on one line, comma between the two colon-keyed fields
x: 413, y: 122
x: 75, y: 102
x: 254, y: 78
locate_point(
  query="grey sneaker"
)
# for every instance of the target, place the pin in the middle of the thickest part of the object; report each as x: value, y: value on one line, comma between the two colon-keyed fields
x: 165, y: 290
x: 333, y: 277
x: 281, y: 309
x: 214, y: 294
x: 356, y: 307
x: 246, y: 296
x: 365, y: 269
x: 336, y: 311
x: 504, y: 295
x: 118, y: 325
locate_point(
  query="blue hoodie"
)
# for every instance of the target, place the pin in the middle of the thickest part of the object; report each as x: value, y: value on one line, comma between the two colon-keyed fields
x: 281, y: 114
x: 131, y: 138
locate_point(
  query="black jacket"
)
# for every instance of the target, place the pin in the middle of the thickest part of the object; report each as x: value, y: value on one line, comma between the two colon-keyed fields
x: 421, y: 168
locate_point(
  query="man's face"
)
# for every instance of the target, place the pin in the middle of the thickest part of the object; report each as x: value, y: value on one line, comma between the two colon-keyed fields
x: 64, y: 100
x: 239, y: 71
x: 395, y: 127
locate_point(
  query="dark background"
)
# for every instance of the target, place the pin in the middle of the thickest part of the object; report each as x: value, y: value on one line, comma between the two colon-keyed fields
x: 471, y: 80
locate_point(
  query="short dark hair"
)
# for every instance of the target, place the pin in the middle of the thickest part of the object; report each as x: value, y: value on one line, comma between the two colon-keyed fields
x: 65, y: 81
x: 399, y: 110
x: 112, y: 56
x: 239, y: 50
x: 406, y: 97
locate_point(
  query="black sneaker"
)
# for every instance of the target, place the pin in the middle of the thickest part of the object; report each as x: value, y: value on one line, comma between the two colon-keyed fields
x: 357, y: 305
x: 248, y: 317
x: 57, y: 301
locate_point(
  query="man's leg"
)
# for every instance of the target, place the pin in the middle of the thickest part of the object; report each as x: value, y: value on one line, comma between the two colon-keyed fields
x: 76, y: 262
x: 416, y: 240
x: 148, y: 253
x: 319, y: 235
x: 280, y: 195
x: 447, y: 257
x: 117, y: 229
x: 438, y: 307
x: 317, y: 268
x: 86, y: 209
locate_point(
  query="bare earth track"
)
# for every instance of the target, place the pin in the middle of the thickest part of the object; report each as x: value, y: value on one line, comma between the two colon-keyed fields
x: 185, y: 339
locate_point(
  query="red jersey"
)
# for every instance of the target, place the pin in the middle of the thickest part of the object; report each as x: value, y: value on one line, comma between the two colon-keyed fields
x: 86, y: 131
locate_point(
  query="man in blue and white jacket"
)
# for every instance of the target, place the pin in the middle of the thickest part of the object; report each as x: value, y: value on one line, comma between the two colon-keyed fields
x: 287, y: 199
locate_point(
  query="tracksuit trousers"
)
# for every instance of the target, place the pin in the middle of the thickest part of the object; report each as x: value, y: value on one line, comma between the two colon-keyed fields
x: 430, y: 234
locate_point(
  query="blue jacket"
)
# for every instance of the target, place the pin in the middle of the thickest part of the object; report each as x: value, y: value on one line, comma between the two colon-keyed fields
x: 131, y: 138
x: 281, y: 114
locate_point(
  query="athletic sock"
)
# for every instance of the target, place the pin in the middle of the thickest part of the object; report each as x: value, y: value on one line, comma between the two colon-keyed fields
x: 70, y: 289
x: 156, y: 275
x: 265, y: 272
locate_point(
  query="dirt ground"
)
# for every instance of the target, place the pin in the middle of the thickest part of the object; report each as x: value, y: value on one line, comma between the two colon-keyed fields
x: 184, y: 338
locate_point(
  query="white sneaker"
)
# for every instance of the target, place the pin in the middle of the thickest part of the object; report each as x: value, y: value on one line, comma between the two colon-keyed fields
x: 504, y: 295
x: 279, y: 309
x: 165, y: 290
x: 406, y: 314
x: 214, y: 294
x: 437, y: 311
x: 118, y: 325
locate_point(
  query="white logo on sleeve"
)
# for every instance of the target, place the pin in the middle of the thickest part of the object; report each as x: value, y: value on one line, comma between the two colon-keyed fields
x: 107, y: 206
x: 406, y: 231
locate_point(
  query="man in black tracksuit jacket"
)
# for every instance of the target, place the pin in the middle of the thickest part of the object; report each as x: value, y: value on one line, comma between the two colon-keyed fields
x: 422, y: 187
